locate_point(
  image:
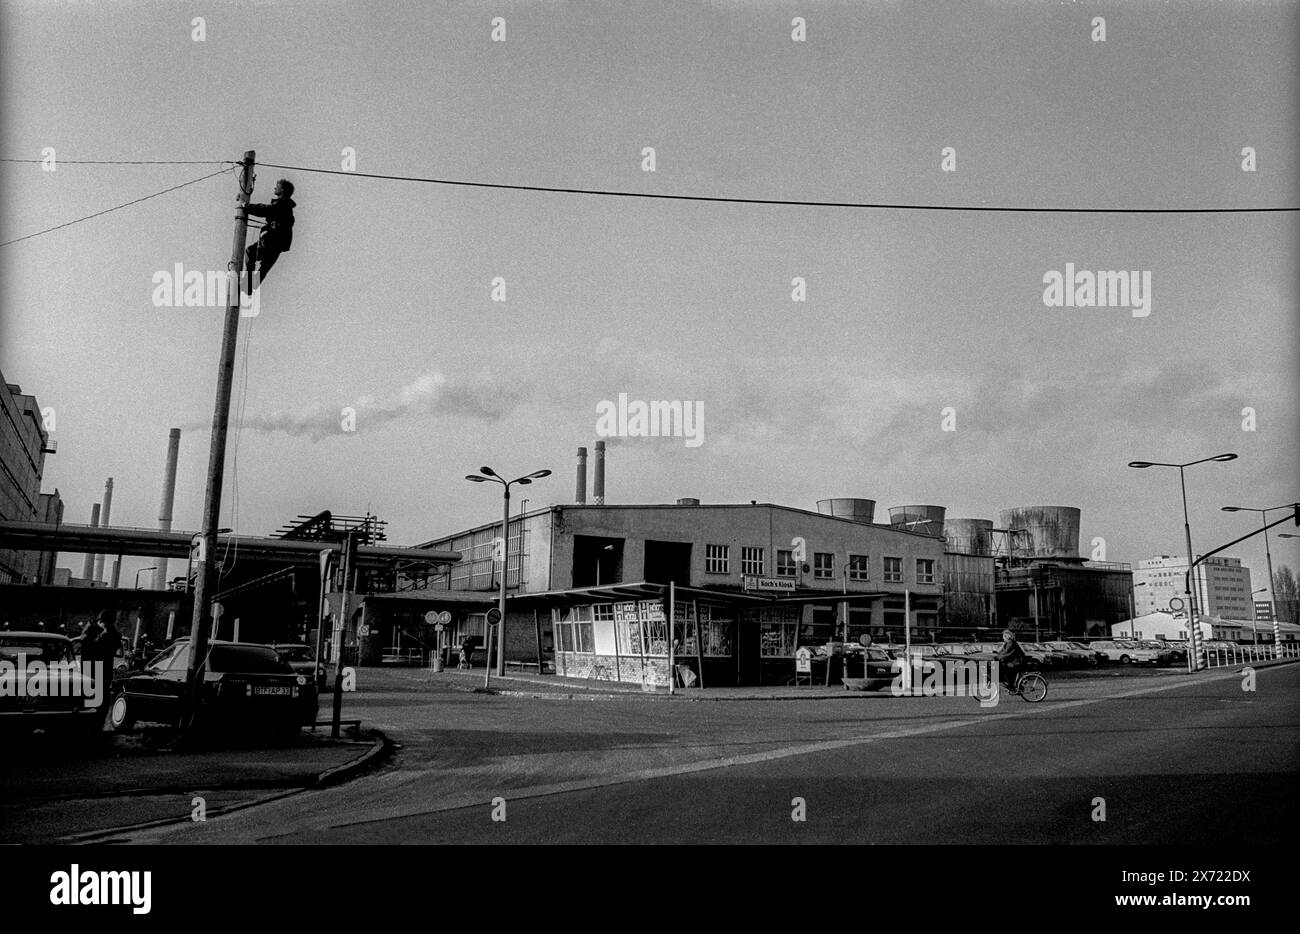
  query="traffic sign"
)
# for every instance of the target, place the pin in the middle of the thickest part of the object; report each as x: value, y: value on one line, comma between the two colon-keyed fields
x: 493, y: 616
x: 432, y: 617
x: 444, y: 618
x: 1176, y: 603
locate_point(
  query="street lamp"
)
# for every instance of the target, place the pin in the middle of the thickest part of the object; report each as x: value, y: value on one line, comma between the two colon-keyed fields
x: 484, y: 475
x: 141, y: 571
x: 1254, y: 628
x: 1132, y: 596
x: 1272, y: 597
x: 1193, y: 660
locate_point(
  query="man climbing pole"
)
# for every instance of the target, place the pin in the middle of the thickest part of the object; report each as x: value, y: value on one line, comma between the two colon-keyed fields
x: 277, y: 233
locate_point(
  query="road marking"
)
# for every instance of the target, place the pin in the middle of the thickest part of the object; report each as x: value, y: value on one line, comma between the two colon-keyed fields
x: 477, y: 799
x: 705, y: 765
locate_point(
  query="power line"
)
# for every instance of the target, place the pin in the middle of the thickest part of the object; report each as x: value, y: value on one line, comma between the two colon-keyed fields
x: 117, y: 208
x: 130, y: 161
x: 780, y: 201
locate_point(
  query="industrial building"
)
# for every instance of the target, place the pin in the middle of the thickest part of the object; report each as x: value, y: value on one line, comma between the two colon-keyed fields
x: 1044, y: 587
x: 1222, y: 587
x: 24, y: 442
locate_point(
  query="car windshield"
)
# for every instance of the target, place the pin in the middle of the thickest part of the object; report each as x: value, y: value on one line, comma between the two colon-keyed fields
x: 1060, y: 645
x: 294, y: 653
x: 878, y: 655
x: 34, y: 648
x: 246, y: 659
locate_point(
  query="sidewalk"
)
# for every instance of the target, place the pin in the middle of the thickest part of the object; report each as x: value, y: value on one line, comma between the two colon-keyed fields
x: 52, y: 791
x: 559, y: 687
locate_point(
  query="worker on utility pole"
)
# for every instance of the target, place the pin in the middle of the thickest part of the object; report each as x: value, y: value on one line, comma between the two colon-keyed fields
x: 277, y: 233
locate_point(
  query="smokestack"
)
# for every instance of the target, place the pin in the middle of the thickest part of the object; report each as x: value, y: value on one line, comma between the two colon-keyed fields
x: 88, y: 568
x: 580, y: 495
x: 598, y: 480
x: 168, y: 500
x: 103, y: 520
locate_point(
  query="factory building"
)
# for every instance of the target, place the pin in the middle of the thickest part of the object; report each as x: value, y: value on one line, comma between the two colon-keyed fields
x: 1222, y: 586
x: 1045, y: 588
x: 24, y: 442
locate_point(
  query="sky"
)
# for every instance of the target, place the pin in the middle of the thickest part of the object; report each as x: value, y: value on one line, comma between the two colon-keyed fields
x: 913, y: 320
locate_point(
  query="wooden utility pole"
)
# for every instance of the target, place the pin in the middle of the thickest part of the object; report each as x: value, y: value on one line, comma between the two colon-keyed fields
x: 204, y: 585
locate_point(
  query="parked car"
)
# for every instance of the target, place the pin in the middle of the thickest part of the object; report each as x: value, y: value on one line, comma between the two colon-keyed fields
x: 67, y: 711
x: 1076, y: 656
x: 1126, y: 652
x: 1170, y: 655
x: 302, y: 659
x: 244, y: 685
x: 1046, y: 658
x: 881, y: 669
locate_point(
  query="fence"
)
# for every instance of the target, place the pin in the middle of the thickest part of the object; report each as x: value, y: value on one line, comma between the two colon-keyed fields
x: 1221, y: 655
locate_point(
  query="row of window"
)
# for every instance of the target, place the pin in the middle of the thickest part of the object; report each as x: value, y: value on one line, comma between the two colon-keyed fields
x: 753, y: 562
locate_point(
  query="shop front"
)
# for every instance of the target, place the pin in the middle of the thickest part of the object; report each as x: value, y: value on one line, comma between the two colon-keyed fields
x: 717, y: 638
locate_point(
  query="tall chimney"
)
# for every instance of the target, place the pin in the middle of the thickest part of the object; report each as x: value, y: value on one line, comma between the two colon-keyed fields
x: 580, y: 495
x: 88, y: 568
x: 168, y: 500
x: 103, y: 520
x: 598, y: 480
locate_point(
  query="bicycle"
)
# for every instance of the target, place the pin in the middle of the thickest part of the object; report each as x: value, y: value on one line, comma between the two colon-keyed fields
x: 1030, y: 686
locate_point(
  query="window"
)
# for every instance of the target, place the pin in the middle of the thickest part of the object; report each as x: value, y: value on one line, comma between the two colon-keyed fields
x: 823, y: 565
x: 751, y: 561
x: 925, y: 570
x: 859, y: 568
x: 717, y: 559
x: 893, y: 570
x: 784, y: 563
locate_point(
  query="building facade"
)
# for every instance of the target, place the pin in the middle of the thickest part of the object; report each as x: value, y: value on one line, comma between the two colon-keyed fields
x: 1222, y: 586
x: 596, y: 586
x: 24, y: 443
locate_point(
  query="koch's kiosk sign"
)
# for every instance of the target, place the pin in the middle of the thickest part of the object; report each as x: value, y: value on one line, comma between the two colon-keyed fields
x: 768, y: 583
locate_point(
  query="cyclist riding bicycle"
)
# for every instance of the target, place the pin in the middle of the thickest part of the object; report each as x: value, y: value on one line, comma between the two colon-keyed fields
x: 1011, y: 659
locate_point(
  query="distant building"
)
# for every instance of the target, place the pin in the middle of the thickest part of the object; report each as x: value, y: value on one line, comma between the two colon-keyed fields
x: 1222, y: 586
x: 590, y: 583
x: 23, y: 446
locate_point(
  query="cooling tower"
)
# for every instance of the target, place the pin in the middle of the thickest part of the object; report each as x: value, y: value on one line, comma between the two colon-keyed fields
x: 969, y: 536
x: 1049, y: 531
x: 928, y: 520
x: 856, y: 510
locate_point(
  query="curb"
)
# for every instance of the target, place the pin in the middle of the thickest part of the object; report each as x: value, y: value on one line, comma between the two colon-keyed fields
x: 381, y: 747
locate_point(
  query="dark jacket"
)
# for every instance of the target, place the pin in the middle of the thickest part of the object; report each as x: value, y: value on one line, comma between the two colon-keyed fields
x: 278, y: 231
x: 1011, y: 654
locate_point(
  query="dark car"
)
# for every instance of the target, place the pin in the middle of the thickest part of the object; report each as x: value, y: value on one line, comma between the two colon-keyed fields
x: 244, y: 685
x: 67, y: 692
x: 1076, y: 656
x: 302, y: 659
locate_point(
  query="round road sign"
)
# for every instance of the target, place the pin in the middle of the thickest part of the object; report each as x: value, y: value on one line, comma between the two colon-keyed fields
x: 493, y: 616
x: 432, y: 617
x: 1176, y: 603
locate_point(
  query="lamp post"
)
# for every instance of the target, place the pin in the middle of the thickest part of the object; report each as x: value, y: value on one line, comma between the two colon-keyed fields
x: 1193, y: 659
x: 484, y: 475
x: 1254, y: 624
x: 1132, y: 598
x: 141, y: 571
x: 1272, y: 597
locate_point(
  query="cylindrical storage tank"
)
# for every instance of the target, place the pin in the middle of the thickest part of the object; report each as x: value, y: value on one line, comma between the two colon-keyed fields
x: 928, y: 520
x: 1049, y: 531
x: 853, y: 509
x: 969, y: 536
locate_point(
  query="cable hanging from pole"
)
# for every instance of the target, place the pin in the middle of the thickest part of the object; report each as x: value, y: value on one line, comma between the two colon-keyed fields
x: 117, y: 208
x: 718, y: 199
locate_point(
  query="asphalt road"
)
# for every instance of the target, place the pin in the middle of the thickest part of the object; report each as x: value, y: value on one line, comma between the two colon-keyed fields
x: 1176, y: 760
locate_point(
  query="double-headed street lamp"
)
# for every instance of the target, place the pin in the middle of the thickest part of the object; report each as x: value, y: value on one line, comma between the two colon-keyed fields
x: 484, y: 475
x: 1193, y: 659
x: 1272, y: 597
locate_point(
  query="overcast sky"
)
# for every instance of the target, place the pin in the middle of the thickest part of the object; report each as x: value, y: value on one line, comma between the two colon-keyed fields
x: 384, y: 303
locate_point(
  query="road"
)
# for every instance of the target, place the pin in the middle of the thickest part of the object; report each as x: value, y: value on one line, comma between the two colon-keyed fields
x: 1171, y: 759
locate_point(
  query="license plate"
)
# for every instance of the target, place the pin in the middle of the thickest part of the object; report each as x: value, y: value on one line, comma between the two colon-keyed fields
x: 263, y: 689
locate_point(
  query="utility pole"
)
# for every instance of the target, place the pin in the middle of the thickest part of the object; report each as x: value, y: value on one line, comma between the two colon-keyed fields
x: 204, y: 585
